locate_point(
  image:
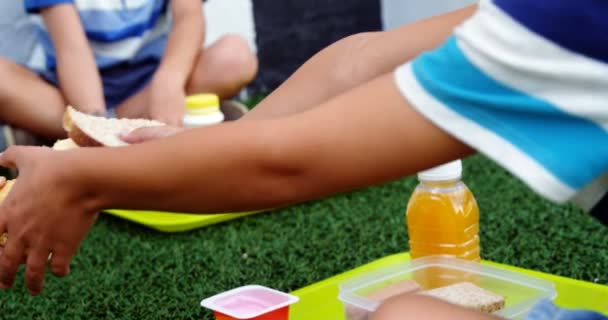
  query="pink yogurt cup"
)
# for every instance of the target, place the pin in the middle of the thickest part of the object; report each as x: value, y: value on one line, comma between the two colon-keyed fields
x: 250, y: 302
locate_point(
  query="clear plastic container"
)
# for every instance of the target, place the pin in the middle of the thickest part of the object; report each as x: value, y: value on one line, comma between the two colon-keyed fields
x: 250, y: 302
x: 521, y: 291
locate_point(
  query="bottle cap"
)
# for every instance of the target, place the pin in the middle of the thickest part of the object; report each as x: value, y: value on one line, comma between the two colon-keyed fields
x: 204, y: 103
x: 445, y: 172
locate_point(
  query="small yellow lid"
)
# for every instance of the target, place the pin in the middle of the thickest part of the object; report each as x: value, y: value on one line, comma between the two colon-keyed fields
x: 202, y: 103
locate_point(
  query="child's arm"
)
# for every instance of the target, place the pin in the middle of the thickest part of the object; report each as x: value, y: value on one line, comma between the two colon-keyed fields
x: 184, y: 45
x: 368, y: 135
x: 79, y: 79
x: 413, y: 306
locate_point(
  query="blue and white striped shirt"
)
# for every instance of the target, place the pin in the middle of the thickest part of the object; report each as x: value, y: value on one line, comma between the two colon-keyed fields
x: 526, y: 83
x: 119, y: 31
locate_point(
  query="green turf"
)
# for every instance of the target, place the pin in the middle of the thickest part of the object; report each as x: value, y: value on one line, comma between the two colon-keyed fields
x: 124, y: 271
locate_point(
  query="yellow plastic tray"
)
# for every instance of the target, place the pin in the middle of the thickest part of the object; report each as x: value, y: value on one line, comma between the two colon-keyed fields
x: 176, y: 222
x: 320, y: 300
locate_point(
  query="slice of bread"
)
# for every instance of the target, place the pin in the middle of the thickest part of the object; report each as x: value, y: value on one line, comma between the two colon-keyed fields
x: 65, y: 144
x: 468, y: 295
x: 93, y: 131
x: 5, y: 189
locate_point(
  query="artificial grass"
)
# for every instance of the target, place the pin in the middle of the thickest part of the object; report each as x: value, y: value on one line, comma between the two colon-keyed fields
x: 124, y: 271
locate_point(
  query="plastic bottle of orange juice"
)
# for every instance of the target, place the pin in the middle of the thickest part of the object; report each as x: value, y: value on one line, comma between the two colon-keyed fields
x: 443, y: 219
x: 442, y: 215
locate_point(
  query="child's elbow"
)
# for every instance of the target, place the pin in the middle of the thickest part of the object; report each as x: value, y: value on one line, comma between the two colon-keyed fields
x: 287, y: 173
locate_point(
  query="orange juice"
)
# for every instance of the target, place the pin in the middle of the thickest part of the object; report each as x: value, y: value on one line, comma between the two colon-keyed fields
x: 443, y: 219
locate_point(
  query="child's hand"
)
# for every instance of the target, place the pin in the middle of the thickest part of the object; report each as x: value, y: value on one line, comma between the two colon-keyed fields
x: 166, y: 103
x: 149, y: 133
x: 45, y: 213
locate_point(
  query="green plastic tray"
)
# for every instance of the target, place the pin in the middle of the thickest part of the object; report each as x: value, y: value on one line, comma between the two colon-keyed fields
x: 320, y: 300
x: 176, y: 222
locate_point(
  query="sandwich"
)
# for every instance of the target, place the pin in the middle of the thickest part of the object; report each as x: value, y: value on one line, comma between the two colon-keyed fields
x: 92, y: 131
x: 468, y: 295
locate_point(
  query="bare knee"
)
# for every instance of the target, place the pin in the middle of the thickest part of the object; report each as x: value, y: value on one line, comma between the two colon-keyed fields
x: 235, y: 54
x: 231, y: 63
x: 356, y: 62
x: 238, y: 54
x: 7, y: 70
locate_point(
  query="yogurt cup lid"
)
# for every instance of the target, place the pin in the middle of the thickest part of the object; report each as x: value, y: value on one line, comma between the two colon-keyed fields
x: 248, y: 302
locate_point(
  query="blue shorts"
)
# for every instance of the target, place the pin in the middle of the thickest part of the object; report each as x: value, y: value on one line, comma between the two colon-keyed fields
x: 546, y: 310
x: 119, y: 82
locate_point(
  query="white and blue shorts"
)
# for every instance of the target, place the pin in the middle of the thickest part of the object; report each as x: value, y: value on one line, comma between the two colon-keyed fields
x: 536, y: 108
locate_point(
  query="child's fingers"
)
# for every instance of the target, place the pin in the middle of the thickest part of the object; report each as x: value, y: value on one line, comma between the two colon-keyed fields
x: 34, y: 272
x: 18, y: 156
x: 11, y: 258
x: 9, y: 158
x: 148, y: 133
x: 60, y: 262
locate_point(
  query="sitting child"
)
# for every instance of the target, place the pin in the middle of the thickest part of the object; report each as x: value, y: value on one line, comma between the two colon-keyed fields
x: 129, y: 58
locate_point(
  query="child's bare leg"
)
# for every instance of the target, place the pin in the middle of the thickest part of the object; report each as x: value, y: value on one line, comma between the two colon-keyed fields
x: 135, y: 106
x: 412, y: 306
x: 341, y: 66
x: 225, y: 67
x: 28, y: 102
x: 355, y: 60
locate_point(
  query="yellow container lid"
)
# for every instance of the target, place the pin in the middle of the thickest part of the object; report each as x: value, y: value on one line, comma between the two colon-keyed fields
x: 202, y: 103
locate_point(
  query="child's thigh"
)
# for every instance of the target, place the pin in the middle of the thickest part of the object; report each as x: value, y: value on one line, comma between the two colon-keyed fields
x: 19, y: 84
x: 30, y: 102
x: 368, y: 55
